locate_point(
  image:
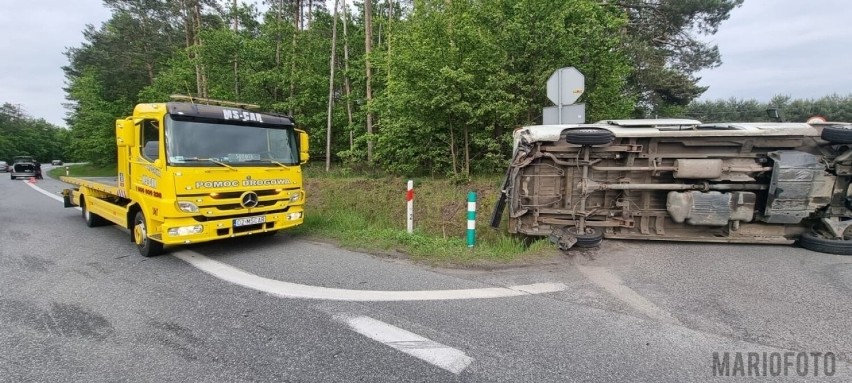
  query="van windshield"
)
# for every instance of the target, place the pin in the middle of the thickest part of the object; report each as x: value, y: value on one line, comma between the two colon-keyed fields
x: 200, y: 142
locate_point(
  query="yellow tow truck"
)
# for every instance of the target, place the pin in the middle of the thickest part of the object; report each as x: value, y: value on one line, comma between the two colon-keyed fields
x: 198, y: 170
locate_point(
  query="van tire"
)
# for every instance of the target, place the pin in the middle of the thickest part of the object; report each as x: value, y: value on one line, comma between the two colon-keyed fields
x: 589, y: 136
x: 837, y: 134
x: 591, y: 238
x: 812, y: 241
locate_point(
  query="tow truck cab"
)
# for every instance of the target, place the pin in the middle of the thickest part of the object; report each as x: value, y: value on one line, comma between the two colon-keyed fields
x: 190, y: 172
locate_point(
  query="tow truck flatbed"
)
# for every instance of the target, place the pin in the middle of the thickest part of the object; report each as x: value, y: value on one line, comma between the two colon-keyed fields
x: 107, y: 185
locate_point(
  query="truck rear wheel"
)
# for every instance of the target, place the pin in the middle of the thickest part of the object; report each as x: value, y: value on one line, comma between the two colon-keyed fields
x: 92, y: 219
x: 147, y: 246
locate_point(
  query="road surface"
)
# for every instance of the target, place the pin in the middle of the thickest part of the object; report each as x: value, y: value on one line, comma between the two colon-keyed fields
x: 80, y: 304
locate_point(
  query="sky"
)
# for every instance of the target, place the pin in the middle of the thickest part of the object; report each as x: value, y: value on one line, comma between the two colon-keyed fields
x: 791, y: 47
x: 798, y: 48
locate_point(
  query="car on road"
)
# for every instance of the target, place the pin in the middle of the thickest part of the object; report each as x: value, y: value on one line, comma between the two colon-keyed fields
x: 682, y: 180
x: 4, y: 166
x: 25, y: 167
x: 56, y: 162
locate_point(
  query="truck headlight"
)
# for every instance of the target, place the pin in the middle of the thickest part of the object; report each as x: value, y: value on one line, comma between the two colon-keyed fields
x: 295, y: 197
x: 185, y: 230
x: 187, y: 207
x: 294, y: 216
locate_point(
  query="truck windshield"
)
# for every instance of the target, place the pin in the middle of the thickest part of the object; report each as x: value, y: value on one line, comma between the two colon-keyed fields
x: 200, y: 143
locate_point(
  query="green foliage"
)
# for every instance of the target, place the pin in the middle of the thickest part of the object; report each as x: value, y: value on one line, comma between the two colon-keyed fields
x: 833, y: 108
x: 465, y: 73
x: 21, y: 134
x: 451, y: 79
x: 93, y: 120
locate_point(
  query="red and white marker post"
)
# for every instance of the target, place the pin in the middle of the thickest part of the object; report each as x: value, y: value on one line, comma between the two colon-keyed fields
x: 409, y: 198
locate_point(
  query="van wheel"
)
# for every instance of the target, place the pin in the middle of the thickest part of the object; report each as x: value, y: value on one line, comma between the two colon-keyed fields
x: 147, y: 246
x: 816, y: 242
x: 589, y: 136
x: 92, y: 219
x: 837, y: 134
x: 591, y: 238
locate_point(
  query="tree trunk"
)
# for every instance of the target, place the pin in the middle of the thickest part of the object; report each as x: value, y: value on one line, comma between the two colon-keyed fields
x: 146, y: 46
x: 368, y: 47
x: 466, y: 152
x: 390, y: 19
x: 346, y: 86
x: 277, y: 46
x: 201, y: 74
x: 297, y: 19
x: 331, y: 89
x: 453, y: 150
x: 191, y: 49
x: 236, y: 54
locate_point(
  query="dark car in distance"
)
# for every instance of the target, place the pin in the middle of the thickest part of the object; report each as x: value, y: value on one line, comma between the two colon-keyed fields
x: 56, y: 162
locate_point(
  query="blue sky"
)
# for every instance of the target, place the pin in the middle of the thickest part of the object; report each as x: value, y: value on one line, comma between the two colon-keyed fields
x: 793, y: 47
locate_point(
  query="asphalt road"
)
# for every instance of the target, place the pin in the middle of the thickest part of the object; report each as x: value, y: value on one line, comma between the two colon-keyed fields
x: 80, y: 304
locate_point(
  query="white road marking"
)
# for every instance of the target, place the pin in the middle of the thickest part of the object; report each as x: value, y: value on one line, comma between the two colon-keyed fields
x: 243, y: 278
x: 45, y: 192
x: 432, y: 352
x: 610, y: 282
x: 284, y: 289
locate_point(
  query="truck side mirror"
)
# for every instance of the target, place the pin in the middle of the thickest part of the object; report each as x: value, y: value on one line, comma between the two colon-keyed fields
x: 303, y: 146
x: 124, y: 133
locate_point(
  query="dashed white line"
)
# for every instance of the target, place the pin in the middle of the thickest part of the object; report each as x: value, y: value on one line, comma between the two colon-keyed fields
x: 432, y: 352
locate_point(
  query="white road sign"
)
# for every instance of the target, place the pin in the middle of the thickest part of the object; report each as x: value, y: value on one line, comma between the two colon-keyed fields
x: 565, y: 86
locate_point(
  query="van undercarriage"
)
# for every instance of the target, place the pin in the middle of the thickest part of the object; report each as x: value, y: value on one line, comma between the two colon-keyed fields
x: 680, y: 182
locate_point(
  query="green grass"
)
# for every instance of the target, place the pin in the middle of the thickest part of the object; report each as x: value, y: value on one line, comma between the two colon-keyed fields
x: 367, y: 213
x: 83, y: 170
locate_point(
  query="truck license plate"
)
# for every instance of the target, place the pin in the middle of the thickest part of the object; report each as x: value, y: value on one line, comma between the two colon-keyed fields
x: 246, y: 221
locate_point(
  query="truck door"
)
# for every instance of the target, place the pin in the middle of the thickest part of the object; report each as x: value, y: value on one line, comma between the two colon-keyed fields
x: 149, y: 168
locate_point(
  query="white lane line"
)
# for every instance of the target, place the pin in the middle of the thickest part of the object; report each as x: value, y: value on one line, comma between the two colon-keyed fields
x: 243, y: 278
x: 45, y: 192
x: 432, y: 352
x: 610, y: 282
x: 283, y: 289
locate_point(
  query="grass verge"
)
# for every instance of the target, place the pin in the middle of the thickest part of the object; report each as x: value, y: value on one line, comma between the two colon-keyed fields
x: 83, y: 170
x: 368, y: 214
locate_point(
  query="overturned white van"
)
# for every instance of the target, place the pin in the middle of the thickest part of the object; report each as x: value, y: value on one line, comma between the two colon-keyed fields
x: 681, y: 180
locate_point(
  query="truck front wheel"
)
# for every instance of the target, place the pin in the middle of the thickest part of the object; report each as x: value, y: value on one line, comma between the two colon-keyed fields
x: 147, y: 246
